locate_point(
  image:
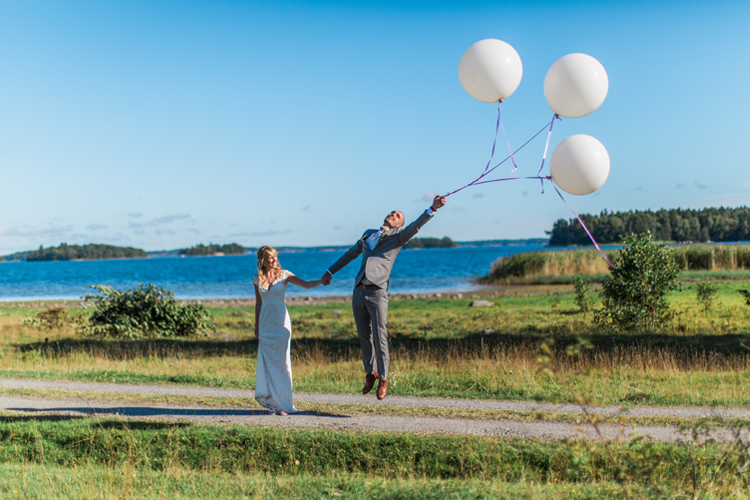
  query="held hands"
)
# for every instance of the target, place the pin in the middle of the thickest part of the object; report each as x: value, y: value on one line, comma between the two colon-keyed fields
x: 326, y: 279
x: 438, y: 202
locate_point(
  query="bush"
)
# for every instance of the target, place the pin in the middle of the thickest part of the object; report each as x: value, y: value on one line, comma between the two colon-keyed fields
x: 51, y: 318
x: 582, y: 285
x: 635, y: 293
x: 146, y: 310
x: 706, y: 293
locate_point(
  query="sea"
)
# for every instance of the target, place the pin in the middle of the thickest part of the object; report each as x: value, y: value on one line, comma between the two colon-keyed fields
x: 231, y: 277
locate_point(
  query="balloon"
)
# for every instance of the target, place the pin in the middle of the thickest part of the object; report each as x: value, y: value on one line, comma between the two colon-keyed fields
x: 575, y: 85
x: 490, y: 70
x: 579, y: 164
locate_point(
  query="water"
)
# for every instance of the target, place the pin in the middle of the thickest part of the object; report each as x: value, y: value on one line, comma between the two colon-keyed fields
x: 231, y: 277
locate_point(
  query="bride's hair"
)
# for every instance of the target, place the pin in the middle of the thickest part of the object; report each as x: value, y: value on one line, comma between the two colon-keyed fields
x: 262, y: 254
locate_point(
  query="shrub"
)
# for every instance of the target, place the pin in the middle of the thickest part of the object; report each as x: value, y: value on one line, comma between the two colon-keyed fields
x: 706, y: 293
x: 582, y: 285
x: 51, y: 318
x: 146, y: 310
x: 634, y: 295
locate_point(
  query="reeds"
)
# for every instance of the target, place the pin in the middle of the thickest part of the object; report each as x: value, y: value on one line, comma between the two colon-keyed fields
x: 562, y: 263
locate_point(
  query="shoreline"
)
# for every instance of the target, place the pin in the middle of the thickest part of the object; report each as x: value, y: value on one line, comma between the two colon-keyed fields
x: 488, y: 291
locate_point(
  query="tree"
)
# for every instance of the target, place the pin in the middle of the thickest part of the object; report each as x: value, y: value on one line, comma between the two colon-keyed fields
x: 635, y: 293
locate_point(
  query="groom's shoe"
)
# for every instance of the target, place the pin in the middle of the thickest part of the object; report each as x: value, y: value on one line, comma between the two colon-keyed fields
x: 369, y: 382
x: 382, y: 388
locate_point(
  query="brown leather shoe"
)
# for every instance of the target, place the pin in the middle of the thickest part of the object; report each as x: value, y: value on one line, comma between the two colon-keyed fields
x: 382, y: 388
x: 369, y: 382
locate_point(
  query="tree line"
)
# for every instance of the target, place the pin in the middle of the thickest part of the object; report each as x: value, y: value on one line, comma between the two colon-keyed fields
x: 211, y: 249
x: 708, y: 224
x: 431, y: 243
x: 85, y: 252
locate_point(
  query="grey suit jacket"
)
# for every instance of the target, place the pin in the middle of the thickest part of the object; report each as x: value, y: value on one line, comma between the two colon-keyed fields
x: 377, y: 263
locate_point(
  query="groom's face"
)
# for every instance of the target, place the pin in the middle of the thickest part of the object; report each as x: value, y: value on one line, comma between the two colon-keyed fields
x: 394, y: 219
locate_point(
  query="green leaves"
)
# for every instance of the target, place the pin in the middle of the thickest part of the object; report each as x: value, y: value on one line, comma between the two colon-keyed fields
x: 634, y: 295
x: 146, y: 310
x: 582, y: 285
x: 706, y: 293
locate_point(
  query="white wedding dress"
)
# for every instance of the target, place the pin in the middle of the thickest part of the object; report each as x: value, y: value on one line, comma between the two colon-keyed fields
x: 273, y: 377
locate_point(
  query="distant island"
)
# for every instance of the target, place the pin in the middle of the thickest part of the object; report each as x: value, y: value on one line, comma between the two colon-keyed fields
x: 444, y: 242
x: 84, y: 252
x: 99, y: 252
x: 211, y: 249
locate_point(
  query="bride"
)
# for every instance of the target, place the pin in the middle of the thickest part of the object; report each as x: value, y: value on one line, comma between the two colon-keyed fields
x: 273, y: 377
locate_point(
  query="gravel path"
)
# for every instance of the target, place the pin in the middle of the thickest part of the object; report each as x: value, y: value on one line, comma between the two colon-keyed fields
x: 380, y: 423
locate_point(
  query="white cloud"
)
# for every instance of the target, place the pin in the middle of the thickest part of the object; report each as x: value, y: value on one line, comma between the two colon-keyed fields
x: 95, y: 227
x: 171, y: 218
x: 140, y: 224
x: 35, y: 231
x: 259, y: 233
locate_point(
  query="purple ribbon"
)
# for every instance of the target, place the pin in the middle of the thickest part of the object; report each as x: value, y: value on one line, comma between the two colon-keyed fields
x: 583, y: 225
x: 488, y: 170
x: 546, y: 146
x: 500, y: 121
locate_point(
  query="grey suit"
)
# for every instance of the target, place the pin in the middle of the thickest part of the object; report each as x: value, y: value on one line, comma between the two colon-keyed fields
x: 370, y: 307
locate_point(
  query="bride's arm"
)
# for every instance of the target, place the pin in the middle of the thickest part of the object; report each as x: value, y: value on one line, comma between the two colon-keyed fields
x: 304, y: 284
x: 258, y: 303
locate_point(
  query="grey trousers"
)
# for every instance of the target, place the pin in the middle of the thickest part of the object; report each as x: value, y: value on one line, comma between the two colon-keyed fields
x: 370, y: 309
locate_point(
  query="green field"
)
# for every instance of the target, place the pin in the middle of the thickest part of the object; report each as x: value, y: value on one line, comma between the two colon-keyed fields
x: 439, y: 347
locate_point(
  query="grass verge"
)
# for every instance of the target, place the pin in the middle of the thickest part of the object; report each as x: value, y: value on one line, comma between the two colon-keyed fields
x: 56, y: 443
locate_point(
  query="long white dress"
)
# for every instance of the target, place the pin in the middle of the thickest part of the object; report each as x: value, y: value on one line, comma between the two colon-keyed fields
x: 273, y: 376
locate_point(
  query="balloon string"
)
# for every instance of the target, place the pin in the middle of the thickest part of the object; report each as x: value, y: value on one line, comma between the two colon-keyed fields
x: 549, y: 178
x: 546, y: 146
x: 487, y: 172
x: 513, y: 160
x: 584, y: 227
x: 494, y: 142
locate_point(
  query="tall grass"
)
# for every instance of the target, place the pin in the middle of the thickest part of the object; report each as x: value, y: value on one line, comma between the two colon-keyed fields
x: 541, y: 264
x: 441, y: 348
x: 138, y: 447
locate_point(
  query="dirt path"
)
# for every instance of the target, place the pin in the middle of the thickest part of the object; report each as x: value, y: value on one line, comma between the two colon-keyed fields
x: 380, y: 423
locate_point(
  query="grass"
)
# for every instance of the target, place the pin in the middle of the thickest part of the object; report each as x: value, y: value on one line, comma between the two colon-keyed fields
x: 176, y: 456
x: 437, y: 350
x: 561, y: 266
x: 440, y: 347
x: 92, y: 481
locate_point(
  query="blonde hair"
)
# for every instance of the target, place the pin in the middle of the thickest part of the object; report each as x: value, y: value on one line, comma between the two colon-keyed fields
x: 262, y: 273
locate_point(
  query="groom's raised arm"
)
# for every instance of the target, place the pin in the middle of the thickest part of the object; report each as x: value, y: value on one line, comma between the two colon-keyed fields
x: 412, y: 229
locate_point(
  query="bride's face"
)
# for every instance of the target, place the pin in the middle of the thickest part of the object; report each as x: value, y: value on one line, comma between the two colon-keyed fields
x: 271, y: 261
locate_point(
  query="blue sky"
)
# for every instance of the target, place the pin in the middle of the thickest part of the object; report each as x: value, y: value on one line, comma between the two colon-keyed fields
x: 162, y: 125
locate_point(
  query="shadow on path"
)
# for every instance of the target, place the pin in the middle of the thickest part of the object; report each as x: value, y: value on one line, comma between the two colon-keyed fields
x: 145, y: 411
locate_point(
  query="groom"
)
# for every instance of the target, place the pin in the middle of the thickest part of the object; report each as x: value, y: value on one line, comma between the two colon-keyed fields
x: 379, y: 249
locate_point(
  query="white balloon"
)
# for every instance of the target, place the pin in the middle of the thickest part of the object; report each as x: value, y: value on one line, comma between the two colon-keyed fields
x: 579, y: 164
x: 490, y: 70
x: 575, y: 85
